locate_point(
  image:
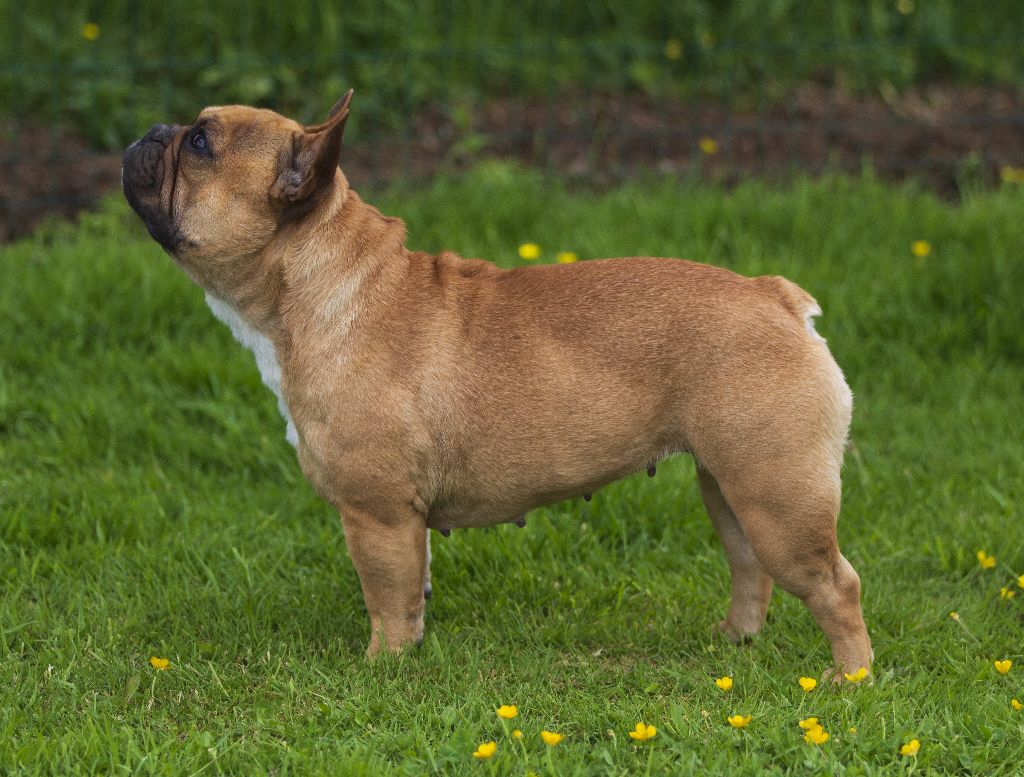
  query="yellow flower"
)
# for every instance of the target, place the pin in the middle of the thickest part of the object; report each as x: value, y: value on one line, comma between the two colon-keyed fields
x: 551, y: 738
x: 507, y: 711
x: 708, y: 145
x: 529, y: 251
x: 1016, y: 705
x: 673, y: 49
x: 808, y: 723
x: 905, y: 7
x: 910, y: 748
x: 852, y: 729
x: 921, y: 248
x: 739, y: 721
x: 725, y: 683
x: 1020, y: 581
x: 955, y: 615
x: 517, y: 734
x: 1012, y: 174
x: 485, y: 750
x: 1003, y: 666
x: 986, y: 561
x: 1006, y: 593
x: 857, y: 676
x: 90, y: 31
x: 566, y: 257
x: 816, y: 735
x: 808, y: 684
x: 159, y: 663
x: 643, y: 732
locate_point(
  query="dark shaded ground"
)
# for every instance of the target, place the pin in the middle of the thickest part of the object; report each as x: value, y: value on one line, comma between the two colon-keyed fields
x: 947, y: 138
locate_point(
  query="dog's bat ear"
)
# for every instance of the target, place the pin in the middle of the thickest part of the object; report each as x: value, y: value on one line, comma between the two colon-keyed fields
x: 308, y: 168
x: 341, y: 107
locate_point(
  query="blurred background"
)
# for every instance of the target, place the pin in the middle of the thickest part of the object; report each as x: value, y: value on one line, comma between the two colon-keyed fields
x: 591, y: 91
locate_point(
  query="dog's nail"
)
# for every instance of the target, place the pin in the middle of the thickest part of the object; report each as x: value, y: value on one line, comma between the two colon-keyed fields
x: 521, y: 523
x: 651, y: 470
x: 445, y: 531
x: 587, y: 497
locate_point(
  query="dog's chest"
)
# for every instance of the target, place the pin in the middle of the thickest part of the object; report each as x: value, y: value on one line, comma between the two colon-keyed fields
x: 262, y: 349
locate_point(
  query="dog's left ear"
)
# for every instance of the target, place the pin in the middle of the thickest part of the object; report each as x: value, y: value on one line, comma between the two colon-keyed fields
x: 309, y: 167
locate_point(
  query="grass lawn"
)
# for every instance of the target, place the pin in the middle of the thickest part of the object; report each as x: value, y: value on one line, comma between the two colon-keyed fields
x: 150, y: 506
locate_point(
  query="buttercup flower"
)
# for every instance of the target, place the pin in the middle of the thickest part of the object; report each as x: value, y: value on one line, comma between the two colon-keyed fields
x: 955, y: 615
x: 852, y: 729
x: 1015, y: 703
x: 90, y: 31
x: 1003, y: 666
x: 529, y: 251
x: 739, y: 721
x: 673, y: 49
x: 905, y: 7
x: 857, y: 676
x: 643, y: 732
x: 921, y: 248
x: 808, y: 684
x: 808, y: 723
x: 910, y: 748
x: 725, y: 683
x: 708, y: 146
x: 485, y: 750
x: 517, y: 734
x: 1020, y: 581
x: 986, y: 561
x: 551, y: 738
x: 566, y: 257
x: 1006, y: 593
x: 816, y: 735
x: 507, y: 711
x: 1012, y: 174
x: 159, y: 663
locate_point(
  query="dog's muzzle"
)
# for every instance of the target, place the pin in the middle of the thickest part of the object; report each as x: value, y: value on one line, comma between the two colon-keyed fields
x: 142, y: 176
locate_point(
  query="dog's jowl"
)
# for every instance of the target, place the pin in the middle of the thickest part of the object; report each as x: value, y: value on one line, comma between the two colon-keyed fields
x: 430, y: 391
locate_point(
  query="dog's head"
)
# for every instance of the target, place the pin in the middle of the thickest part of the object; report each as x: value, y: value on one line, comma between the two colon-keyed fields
x: 217, y: 191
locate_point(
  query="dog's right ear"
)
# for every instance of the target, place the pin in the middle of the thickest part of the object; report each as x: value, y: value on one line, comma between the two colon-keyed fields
x: 309, y: 167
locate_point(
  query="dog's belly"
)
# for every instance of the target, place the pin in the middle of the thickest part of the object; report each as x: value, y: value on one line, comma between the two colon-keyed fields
x: 508, y: 497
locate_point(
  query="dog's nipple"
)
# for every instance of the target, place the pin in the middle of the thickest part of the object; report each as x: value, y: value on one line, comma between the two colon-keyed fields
x: 521, y: 523
x: 651, y: 470
x: 588, y: 497
x: 445, y: 531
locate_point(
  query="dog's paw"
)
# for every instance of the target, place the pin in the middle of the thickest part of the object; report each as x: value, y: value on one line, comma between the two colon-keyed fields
x: 735, y: 634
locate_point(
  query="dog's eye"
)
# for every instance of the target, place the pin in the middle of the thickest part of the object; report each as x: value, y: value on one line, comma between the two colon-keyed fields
x: 198, y: 140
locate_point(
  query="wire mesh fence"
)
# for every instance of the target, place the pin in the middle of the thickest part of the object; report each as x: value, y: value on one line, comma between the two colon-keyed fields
x: 596, y: 91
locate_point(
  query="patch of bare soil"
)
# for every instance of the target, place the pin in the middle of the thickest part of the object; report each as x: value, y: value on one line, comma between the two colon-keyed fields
x: 46, y: 172
x: 945, y: 137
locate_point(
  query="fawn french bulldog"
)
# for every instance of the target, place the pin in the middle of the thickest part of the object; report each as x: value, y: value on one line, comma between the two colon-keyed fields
x: 433, y: 392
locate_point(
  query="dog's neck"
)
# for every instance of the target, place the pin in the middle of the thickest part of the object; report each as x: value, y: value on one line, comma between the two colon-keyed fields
x: 342, y: 253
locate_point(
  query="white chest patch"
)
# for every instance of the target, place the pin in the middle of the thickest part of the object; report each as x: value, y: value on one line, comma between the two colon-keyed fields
x: 263, y: 350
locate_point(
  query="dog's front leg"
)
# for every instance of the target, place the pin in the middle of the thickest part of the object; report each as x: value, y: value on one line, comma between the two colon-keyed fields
x: 388, y: 549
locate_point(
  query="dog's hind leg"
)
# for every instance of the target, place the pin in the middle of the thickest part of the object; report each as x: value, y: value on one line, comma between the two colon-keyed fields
x: 792, y: 531
x: 751, y: 585
x: 428, y: 589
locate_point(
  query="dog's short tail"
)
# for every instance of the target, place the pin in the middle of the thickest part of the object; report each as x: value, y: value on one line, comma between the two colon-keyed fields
x: 793, y: 298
